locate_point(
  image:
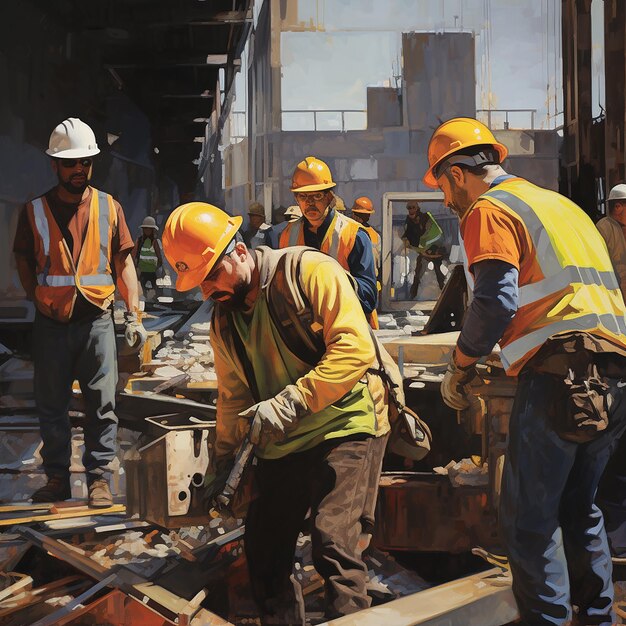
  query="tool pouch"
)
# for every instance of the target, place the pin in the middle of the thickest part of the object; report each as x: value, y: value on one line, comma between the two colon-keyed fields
x: 585, y: 412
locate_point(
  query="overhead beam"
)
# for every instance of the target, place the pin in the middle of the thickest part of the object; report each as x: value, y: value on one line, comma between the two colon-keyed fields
x: 219, y: 19
x: 210, y: 61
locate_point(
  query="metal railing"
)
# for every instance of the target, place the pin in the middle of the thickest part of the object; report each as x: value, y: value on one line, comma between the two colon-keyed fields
x: 489, y: 115
x: 328, y: 119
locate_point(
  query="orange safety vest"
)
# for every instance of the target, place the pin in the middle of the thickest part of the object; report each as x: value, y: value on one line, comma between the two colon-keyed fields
x: 337, y: 243
x: 572, y: 285
x: 58, y: 278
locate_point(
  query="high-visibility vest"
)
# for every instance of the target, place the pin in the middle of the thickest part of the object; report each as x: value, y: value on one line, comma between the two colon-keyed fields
x: 566, y: 282
x: 337, y: 243
x: 376, y: 245
x: 338, y: 240
x: 148, y: 260
x: 58, y: 278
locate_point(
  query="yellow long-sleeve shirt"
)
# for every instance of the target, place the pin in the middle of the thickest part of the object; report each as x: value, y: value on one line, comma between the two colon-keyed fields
x: 338, y: 403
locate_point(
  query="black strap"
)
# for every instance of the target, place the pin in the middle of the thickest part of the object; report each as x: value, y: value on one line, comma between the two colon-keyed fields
x: 382, y: 372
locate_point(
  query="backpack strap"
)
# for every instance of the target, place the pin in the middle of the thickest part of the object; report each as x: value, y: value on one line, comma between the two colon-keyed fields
x: 291, y: 313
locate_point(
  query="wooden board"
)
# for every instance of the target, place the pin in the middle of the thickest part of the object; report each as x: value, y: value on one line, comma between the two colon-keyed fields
x: 425, y: 349
x: 79, y: 511
x: 483, y: 599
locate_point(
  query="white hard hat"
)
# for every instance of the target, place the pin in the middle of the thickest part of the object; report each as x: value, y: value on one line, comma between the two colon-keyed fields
x: 618, y: 192
x: 72, y: 139
x: 149, y: 222
x: 293, y: 212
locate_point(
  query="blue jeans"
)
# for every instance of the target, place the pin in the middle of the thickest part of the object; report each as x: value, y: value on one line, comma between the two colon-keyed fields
x: 82, y: 350
x: 553, y: 532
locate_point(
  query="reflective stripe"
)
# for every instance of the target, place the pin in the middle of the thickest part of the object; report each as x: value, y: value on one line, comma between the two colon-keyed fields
x: 546, y: 255
x: 41, y: 222
x: 96, y: 280
x: 294, y: 232
x: 335, y: 236
x: 103, y: 228
x: 55, y: 281
x: 517, y: 349
x: 571, y: 274
x: 70, y: 281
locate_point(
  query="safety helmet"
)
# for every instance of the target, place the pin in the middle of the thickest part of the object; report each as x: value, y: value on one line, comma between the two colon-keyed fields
x: 293, y: 212
x: 149, y: 222
x: 72, y: 139
x: 618, y: 193
x: 194, y: 237
x: 455, y: 135
x: 363, y: 205
x: 311, y: 175
x: 256, y: 208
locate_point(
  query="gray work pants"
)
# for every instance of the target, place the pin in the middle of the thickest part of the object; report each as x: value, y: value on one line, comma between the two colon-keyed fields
x: 82, y: 350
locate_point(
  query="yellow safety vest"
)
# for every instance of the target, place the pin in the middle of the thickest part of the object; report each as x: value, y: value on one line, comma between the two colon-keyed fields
x: 575, y: 289
x: 58, y: 278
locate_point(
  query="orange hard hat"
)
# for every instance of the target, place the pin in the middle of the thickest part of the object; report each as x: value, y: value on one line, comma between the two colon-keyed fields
x: 311, y: 175
x: 363, y: 205
x: 453, y: 136
x: 194, y: 237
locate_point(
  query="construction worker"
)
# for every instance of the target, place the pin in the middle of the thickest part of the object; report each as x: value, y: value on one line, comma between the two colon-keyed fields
x: 422, y: 234
x: 257, y: 230
x: 299, y: 389
x: 544, y: 288
x: 147, y: 253
x: 613, y: 231
x: 362, y: 211
x: 68, y: 245
x: 324, y: 228
x: 292, y: 213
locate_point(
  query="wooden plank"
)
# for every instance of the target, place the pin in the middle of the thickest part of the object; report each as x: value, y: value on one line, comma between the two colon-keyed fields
x: 54, y: 617
x: 83, y: 511
x: 483, y: 599
x: 23, y: 584
x: 424, y: 349
x: 17, y: 507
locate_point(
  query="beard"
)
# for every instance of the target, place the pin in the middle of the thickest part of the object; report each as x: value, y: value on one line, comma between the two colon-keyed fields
x: 236, y: 301
x: 74, y: 188
x: 460, y: 202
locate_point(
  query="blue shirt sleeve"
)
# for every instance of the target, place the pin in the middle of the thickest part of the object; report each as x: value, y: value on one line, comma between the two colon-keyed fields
x: 495, y: 302
x: 361, y: 264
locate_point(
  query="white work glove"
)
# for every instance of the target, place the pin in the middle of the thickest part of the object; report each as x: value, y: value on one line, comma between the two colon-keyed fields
x: 455, y: 385
x: 135, y: 334
x: 273, y: 418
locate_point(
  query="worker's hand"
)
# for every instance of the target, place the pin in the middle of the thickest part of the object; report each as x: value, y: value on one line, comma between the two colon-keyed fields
x: 272, y: 419
x: 454, y: 387
x: 135, y: 334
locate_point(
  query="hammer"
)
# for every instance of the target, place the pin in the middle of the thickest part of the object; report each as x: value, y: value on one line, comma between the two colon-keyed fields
x: 224, y: 500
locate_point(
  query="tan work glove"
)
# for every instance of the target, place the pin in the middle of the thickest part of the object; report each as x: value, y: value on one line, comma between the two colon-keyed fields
x: 135, y: 334
x: 454, y: 387
x: 273, y: 418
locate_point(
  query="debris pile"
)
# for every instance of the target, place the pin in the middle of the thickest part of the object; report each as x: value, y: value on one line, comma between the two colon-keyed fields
x: 467, y: 472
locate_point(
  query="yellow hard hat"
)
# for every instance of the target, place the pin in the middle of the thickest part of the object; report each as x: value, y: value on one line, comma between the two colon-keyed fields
x: 312, y: 175
x: 363, y: 205
x: 194, y: 237
x: 453, y: 136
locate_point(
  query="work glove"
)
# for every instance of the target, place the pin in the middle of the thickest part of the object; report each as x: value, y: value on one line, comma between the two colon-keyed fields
x: 135, y: 334
x: 272, y: 419
x: 454, y: 387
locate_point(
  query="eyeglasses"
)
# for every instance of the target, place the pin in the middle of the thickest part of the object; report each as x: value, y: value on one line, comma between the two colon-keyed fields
x: 68, y: 163
x: 302, y: 196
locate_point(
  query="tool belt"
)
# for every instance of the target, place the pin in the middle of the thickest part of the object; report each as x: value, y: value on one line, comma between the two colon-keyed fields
x: 581, y: 365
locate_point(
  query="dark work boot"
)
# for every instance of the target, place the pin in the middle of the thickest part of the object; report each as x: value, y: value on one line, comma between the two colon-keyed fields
x: 100, y: 494
x: 56, y: 489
